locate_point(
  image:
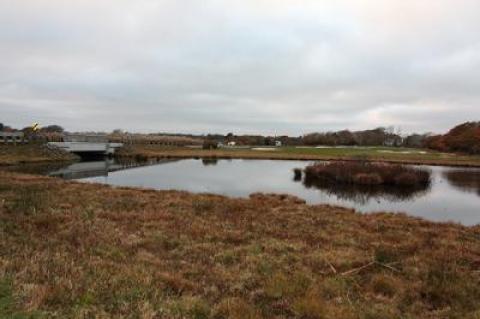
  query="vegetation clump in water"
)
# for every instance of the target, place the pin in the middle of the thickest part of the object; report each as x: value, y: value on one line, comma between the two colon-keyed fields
x: 367, y: 173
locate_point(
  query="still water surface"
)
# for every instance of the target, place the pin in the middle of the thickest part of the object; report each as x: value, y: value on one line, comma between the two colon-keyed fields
x: 453, y: 196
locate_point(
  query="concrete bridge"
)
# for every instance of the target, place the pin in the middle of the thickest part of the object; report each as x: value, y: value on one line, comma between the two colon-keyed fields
x: 87, y: 148
x: 12, y: 138
x: 87, y: 144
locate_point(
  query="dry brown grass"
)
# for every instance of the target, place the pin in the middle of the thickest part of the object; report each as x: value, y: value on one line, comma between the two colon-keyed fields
x: 73, y: 250
x: 31, y: 153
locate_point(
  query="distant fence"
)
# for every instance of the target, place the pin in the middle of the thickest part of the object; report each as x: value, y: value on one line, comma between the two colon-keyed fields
x: 85, y: 138
x: 142, y: 139
x: 154, y: 140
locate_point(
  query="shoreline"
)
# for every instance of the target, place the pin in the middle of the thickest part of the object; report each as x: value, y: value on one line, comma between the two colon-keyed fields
x: 147, y: 154
x: 281, y: 197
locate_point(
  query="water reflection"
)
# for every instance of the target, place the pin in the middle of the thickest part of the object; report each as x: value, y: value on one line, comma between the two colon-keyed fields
x: 87, y: 169
x: 103, y: 168
x: 83, y: 169
x: 468, y: 181
x: 362, y: 194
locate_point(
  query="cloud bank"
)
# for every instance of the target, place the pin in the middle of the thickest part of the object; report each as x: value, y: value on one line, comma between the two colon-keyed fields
x: 246, y: 66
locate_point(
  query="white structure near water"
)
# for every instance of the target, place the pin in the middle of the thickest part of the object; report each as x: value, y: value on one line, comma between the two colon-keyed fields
x: 12, y: 138
x: 87, y: 144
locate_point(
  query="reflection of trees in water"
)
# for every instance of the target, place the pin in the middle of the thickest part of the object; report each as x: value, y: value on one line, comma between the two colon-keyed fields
x: 361, y: 194
x: 133, y: 162
x: 209, y: 161
x: 467, y: 181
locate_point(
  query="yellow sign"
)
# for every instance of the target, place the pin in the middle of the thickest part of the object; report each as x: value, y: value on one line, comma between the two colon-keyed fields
x: 35, y: 127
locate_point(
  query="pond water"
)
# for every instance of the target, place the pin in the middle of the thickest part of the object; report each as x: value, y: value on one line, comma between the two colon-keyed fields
x: 454, y: 194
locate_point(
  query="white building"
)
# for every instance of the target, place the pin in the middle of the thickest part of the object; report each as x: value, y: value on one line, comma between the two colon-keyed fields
x: 12, y: 137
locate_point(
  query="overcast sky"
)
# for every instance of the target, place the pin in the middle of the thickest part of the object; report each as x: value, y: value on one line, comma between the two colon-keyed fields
x: 245, y: 66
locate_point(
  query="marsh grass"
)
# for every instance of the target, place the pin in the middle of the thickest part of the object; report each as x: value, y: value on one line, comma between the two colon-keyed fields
x: 93, y: 253
x: 32, y: 153
x: 6, y: 299
x: 29, y: 199
x: 367, y: 173
x: 9, y: 304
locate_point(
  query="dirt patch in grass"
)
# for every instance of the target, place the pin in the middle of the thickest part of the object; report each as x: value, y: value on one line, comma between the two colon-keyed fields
x: 73, y: 250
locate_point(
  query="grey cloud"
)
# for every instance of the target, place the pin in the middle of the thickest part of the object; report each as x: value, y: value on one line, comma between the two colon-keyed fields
x: 245, y: 66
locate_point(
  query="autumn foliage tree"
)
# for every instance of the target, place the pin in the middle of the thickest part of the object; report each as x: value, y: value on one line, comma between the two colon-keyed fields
x: 462, y: 138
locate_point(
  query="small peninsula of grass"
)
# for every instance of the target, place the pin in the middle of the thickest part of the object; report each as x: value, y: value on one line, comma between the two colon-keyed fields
x: 33, y: 153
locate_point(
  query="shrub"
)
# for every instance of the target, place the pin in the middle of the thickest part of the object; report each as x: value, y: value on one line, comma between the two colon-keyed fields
x: 209, y: 145
x: 368, y: 179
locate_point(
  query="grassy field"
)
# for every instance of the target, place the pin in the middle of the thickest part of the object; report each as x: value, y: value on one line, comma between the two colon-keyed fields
x: 394, y: 155
x: 31, y: 153
x: 72, y: 250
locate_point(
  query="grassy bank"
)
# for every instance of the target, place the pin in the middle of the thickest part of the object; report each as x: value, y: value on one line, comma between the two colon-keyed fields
x: 72, y: 250
x: 31, y: 153
x: 391, y: 155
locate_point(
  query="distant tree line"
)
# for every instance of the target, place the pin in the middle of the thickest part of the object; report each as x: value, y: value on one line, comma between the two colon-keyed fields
x: 462, y: 138
x: 244, y: 140
x: 376, y: 137
x: 46, y: 129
